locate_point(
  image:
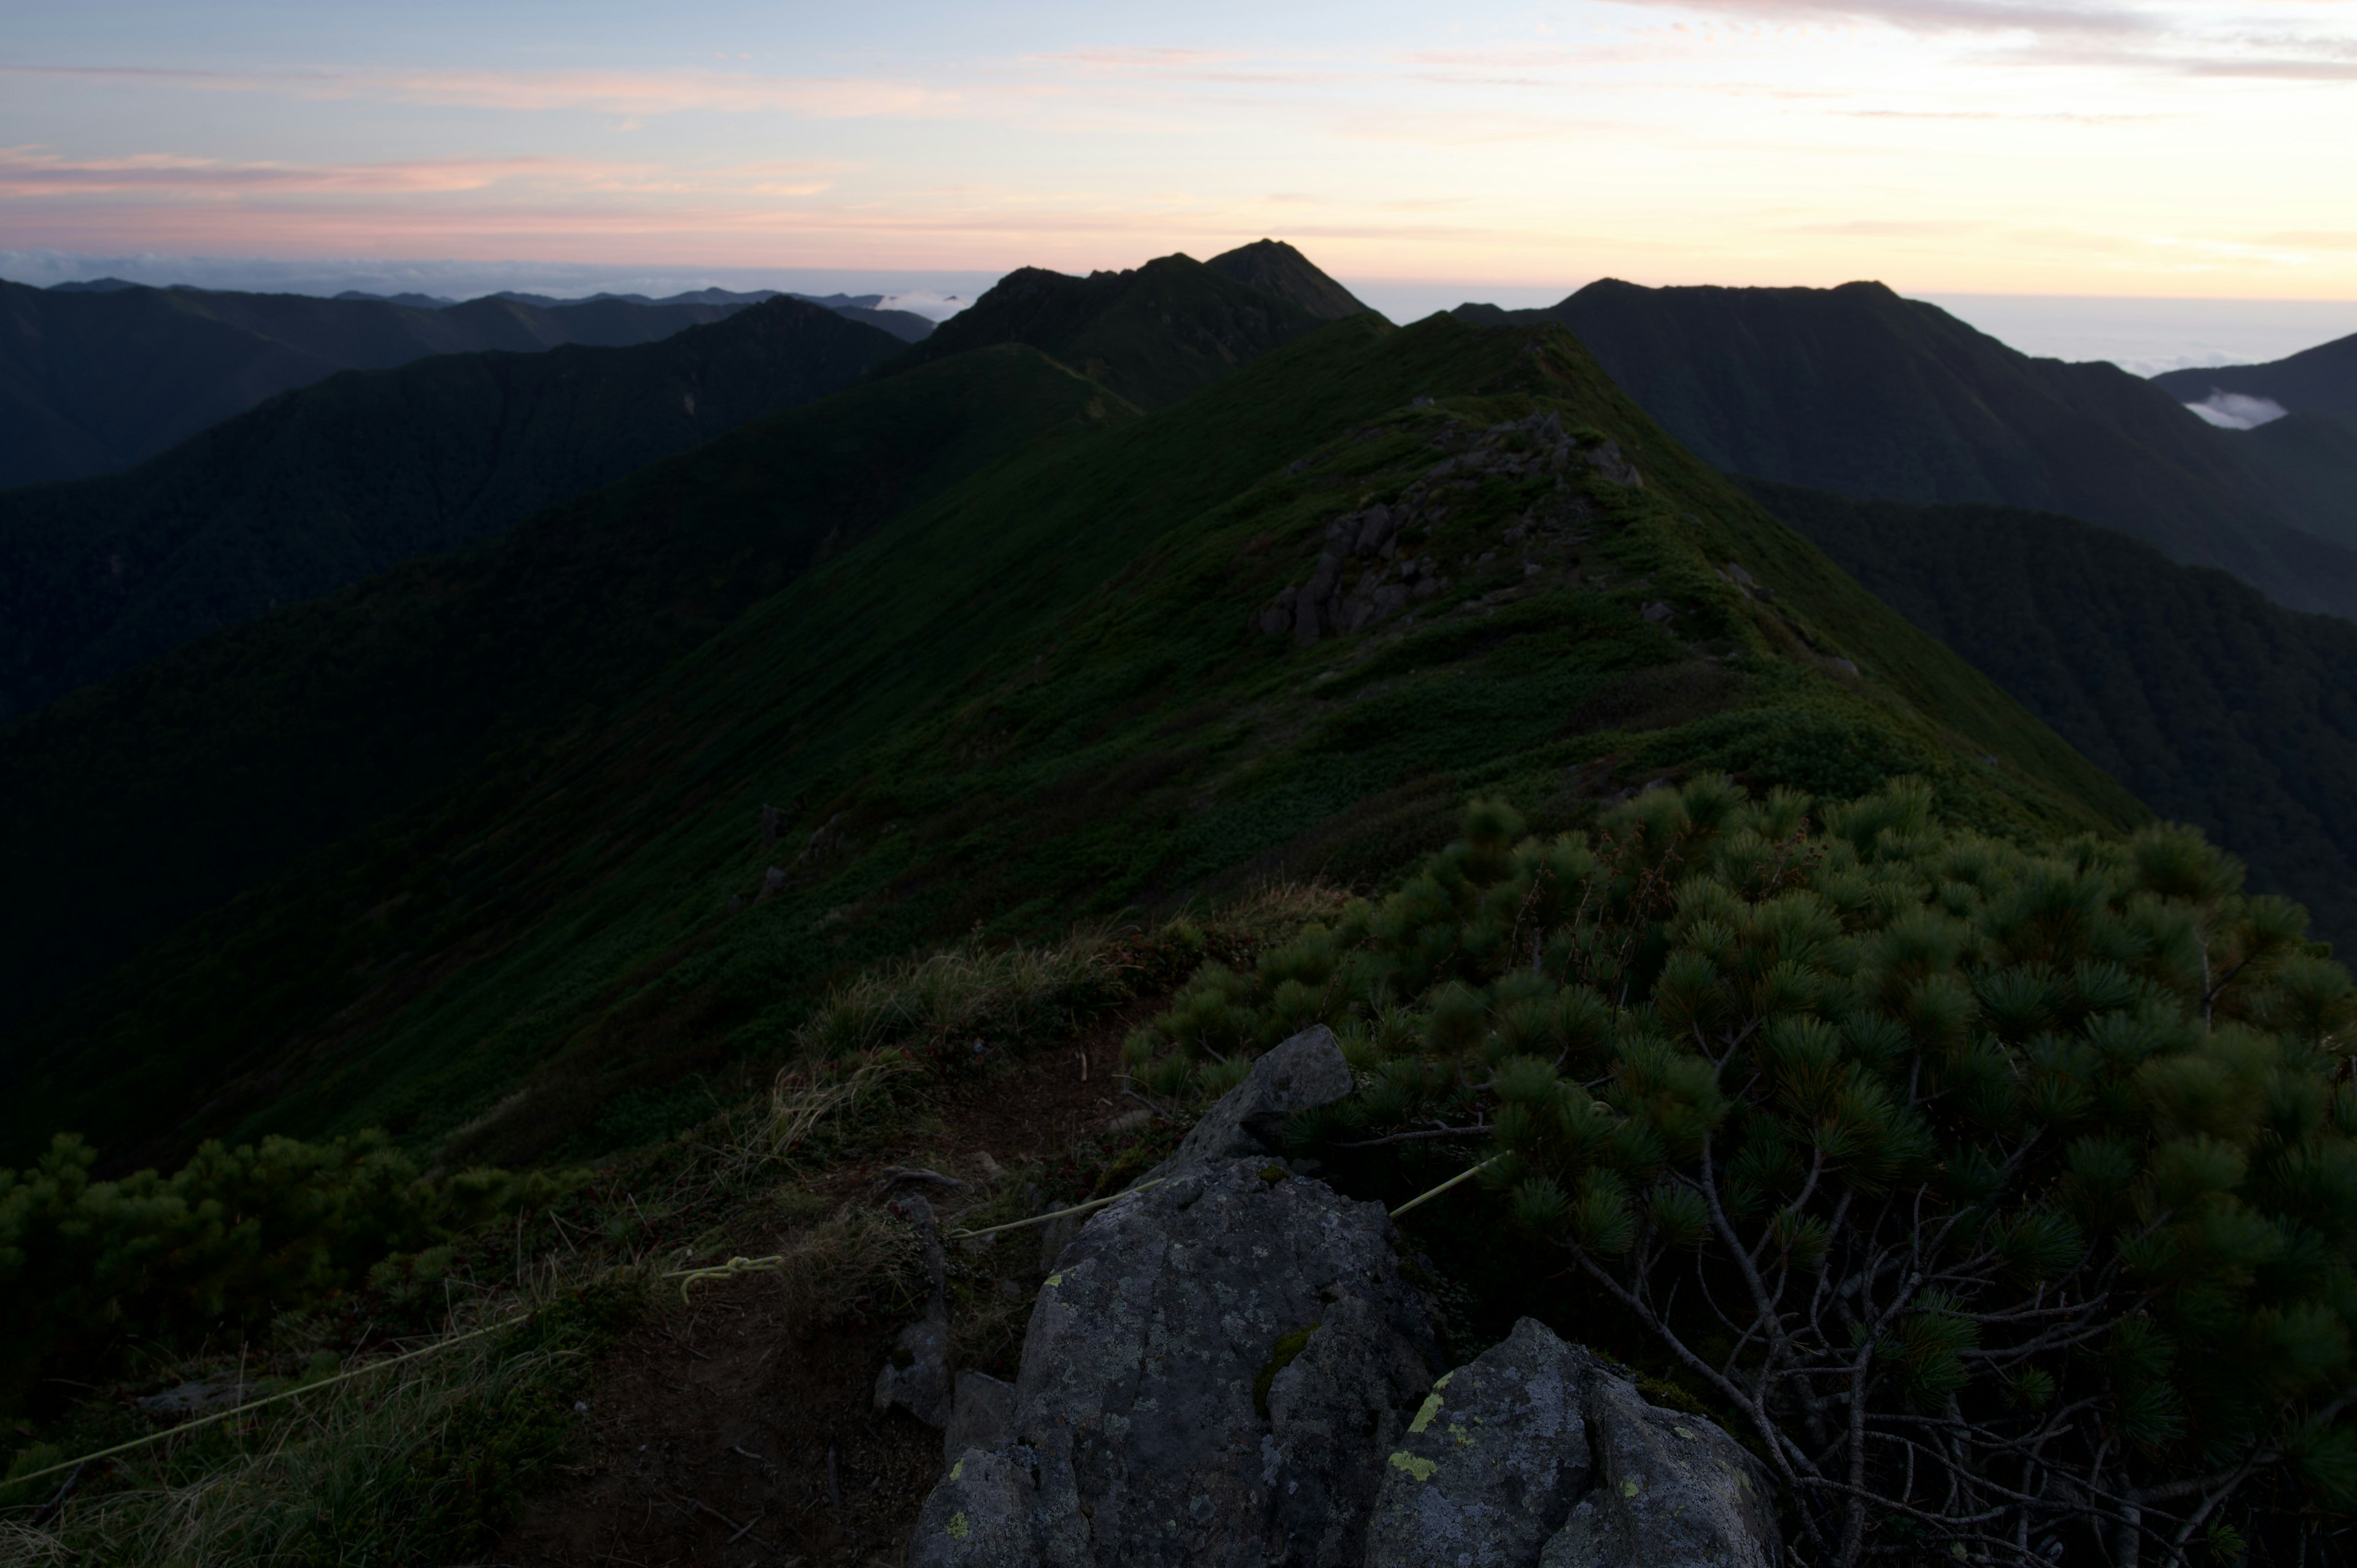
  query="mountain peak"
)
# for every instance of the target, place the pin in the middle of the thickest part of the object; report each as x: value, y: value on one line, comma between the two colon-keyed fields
x: 1275, y: 268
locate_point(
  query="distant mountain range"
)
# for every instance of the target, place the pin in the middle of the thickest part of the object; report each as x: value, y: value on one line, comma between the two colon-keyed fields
x: 95, y: 376
x: 355, y: 474
x: 1858, y: 390
x: 2322, y: 379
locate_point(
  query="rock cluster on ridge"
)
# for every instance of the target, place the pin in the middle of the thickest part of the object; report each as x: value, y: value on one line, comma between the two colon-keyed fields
x: 1229, y: 1367
x: 1369, y: 568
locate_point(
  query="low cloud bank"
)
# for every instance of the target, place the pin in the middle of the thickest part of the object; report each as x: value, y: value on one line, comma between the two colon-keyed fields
x: 2236, y: 410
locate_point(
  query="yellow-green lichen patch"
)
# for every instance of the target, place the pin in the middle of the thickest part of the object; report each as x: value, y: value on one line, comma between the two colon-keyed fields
x: 958, y: 1528
x: 1421, y: 1469
x: 1431, y: 1408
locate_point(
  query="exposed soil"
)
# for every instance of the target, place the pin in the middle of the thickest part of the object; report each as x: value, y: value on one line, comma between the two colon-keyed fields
x: 717, y: 1435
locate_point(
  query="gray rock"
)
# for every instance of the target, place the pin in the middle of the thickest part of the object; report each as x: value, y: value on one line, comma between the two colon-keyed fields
x: 1673, y: 1491
x: 979, y: 1516
x: 918, y: 1376
x: 1141, y: 1392
x: 982, y: 1415
x: 1657, y: 611
x: 1493, y: 1463
x: 1538, y: 1454
x: 1606, y: 459
x: 1301, y: 1074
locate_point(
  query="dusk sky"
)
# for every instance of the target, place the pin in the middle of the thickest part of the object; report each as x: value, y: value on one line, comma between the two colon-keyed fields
x: 2132, y: 149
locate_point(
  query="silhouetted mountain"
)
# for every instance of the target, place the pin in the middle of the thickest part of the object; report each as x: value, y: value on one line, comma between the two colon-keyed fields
x: 2216, y: 706
x: 94, y: 380
x: 342, y: 480
x: 2321, y: 380
x: 1273, y: 267
x: 1858, y: 391
x: 1154, y: 335
x: 967, y: 649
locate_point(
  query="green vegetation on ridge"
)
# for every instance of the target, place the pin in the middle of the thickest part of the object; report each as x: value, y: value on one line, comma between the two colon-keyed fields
x: 259, y: 743
x: 1033, y: 698
x: 2000, y: 1199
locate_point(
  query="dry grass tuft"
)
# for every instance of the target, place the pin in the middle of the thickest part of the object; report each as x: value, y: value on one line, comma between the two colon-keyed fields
x: 372, y: 1470
x: 961, y: 991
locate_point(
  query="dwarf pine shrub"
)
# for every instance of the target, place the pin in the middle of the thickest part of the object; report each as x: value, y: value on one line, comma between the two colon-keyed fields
x: 91, y: 1270
x: 2004, y: 1198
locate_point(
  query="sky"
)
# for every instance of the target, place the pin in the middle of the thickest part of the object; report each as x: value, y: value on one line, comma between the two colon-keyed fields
x: 2163, y: 148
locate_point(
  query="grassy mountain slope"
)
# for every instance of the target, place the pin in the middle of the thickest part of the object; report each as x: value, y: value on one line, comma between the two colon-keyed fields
x: 1273, y: 267
x: 1051, y: 692
x: 2323, y: 379
x: 256, y: 744
x: 1153, y: 334
x: 92, y: 381
x: 342, y: 480
x: 2217, y: 708
x: 1855, y: 390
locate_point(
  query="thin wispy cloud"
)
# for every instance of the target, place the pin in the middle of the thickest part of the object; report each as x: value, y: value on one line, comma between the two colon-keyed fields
x: 639, y: 93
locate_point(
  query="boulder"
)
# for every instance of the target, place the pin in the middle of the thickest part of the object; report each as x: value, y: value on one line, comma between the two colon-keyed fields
x: 1493, y: 1463
x: 1673, y: 1491
x: 1537, y: 1454
x: 1212, y: 1372
x: 1301, y: 1074
x: 982, y: 1415
x: 1226, y: 1369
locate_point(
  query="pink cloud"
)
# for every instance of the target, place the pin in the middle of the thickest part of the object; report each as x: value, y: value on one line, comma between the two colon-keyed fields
x: 599, y: 91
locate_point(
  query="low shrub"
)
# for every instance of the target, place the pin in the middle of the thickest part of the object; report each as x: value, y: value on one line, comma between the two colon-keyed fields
x: 93, y: 1271
x: 2003, y: 1197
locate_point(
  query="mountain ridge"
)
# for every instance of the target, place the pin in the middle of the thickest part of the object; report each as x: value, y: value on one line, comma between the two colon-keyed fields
x: 332, y: 482
x: 1858, y: 390
x: 1031, y: 698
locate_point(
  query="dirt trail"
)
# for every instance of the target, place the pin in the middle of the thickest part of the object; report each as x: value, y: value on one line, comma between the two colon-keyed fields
x: 716, y: 1437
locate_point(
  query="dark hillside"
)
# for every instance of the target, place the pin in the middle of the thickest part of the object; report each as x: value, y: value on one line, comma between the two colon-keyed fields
x: 2216, y: 706
x: 1273, y: 267
x: 1281, y: 628
x: 1154, y: 335
x: 1858, y: 391
x: 2322, y: 379
x: 2306, y: 461
x: 323, y: 485
x: 263, y: 742
x: 91, y: 381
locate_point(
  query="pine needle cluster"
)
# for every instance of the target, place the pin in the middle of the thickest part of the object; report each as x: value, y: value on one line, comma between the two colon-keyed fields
x: 2003, y: 1197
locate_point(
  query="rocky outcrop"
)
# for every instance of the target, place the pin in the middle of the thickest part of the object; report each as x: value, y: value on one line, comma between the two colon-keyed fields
x: 1229, y: 1368
x: 1365, y: 572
